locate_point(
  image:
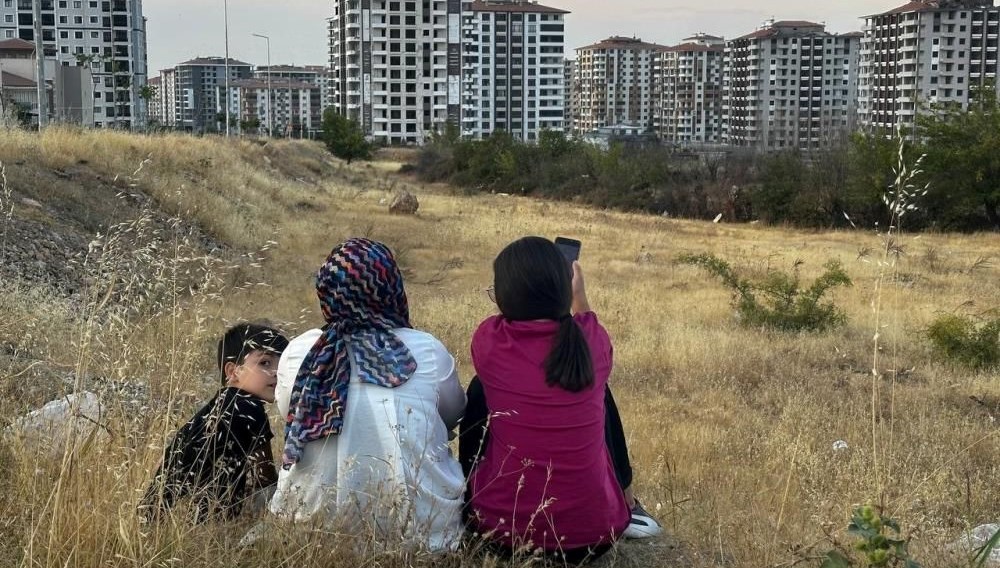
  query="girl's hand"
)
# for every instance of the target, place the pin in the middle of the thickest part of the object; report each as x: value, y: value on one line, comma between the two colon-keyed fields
x: 580, y: 304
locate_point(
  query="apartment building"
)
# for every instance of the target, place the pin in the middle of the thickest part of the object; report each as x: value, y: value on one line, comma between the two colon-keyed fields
x: 569, y: 72
x: 195, y: 89
x: 291, y: 110
x: 315, y: 75
x: 513, y: 69
x: 613, y: 84
x: 106, y: 36
x: 925, y: 52
x: 790, y: 84
x: 397, y: 65
x: 168, y: 97
x: 687, y: 91
x: 155, y: 109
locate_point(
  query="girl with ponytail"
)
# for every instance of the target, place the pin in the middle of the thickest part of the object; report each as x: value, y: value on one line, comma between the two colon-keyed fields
x: 546, y: 478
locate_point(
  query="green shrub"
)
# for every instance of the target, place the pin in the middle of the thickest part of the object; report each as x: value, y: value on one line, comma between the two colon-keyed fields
x: 778, y: 301
x: 964, y: 340
x: 877, y: 539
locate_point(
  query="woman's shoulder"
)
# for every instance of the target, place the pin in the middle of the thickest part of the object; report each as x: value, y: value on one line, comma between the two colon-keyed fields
x: 418, y: 340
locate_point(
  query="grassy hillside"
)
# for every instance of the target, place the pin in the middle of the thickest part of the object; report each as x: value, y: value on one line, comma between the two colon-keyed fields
x: 731, y: 429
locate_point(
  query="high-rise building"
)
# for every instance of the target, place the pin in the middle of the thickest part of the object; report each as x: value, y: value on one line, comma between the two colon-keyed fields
x: 687, y: 91
x: 195, y: 92
x: 925, y: 52
x: 513, y: 69
x: 168, y: 98
x: 790, y: 84
x: 397, y: 65
x: 155, y: 109
x: 108, y: 36
x: 569, y: 102
x: 614, y: 84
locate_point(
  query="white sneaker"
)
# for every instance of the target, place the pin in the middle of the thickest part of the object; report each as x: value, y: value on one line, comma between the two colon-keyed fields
x: 642, y: 525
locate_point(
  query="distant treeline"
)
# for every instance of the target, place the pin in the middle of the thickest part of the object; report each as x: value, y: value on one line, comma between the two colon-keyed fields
x: 838, y: 187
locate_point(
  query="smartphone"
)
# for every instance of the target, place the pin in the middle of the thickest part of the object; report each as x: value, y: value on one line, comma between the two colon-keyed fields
x: 569, y: 247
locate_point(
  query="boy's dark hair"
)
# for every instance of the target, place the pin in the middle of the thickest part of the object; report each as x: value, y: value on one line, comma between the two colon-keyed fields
x: 243, y: 339
x: 532, y: 281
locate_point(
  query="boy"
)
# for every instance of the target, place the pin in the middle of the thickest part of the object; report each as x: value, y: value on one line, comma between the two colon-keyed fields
x: 222, y: 456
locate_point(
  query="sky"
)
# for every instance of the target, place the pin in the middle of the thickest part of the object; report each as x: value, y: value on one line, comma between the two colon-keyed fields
x: 179, y: 30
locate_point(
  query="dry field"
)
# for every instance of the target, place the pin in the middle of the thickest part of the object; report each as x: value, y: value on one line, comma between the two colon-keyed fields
x: 731, y: 429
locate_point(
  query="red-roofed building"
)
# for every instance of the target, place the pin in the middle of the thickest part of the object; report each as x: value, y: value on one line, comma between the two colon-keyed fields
x: 613, y: 84
x: 94, y: 54
x: 790, y: 85
x: 687, y: 91
x: 928, y: 51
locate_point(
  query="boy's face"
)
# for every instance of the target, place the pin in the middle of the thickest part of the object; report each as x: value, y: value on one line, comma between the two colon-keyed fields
x: 257, y: 375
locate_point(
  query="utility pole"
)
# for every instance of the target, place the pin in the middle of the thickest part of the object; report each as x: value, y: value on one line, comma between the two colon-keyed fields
x: 225, y: 8
x: 43, y: 106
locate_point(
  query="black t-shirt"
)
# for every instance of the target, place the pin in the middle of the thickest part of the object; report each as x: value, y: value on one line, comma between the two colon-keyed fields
x: 220, y: 458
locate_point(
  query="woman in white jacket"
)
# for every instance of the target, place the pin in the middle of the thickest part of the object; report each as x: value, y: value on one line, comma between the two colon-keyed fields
x: 369, y: 403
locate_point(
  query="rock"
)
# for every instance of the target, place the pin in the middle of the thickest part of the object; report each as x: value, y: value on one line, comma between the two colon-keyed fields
x: 971, y: 542
x: 404, y: 203
x: 30, y: 202
x: 76, y: 417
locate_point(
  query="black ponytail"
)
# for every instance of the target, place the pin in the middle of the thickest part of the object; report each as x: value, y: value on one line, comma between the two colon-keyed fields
x: 533, y: 281
x: 569, y: 365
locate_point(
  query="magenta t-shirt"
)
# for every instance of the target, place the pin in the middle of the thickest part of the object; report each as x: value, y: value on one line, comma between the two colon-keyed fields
x: 546, y: 475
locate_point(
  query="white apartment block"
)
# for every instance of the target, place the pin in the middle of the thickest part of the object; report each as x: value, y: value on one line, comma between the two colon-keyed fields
x: 925, y: 52
x: 292, y: 110
x: 397, y: 65
x: 790, y: 85
x: 613, y: 84
x: 168, y: 97
x: 569, y: 104
x: 155, y: 109
x: 195, y: 86
x: 687, y: 91
x: 315, y: 75
x: 513, y: 69
x: 108, y: 36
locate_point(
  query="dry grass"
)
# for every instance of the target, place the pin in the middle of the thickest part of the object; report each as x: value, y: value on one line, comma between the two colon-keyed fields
x: 730, y: 429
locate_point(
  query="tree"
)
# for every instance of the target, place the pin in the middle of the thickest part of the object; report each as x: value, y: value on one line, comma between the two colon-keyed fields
x: 963, y: 159
x: 343, y: 137
x: 147, y: 93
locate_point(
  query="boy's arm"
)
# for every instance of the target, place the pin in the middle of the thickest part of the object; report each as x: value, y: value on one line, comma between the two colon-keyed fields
x: 244, y: 433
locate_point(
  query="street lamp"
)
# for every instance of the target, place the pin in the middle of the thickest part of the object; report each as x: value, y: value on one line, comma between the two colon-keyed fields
x: 225, y: 8
x: 270, y: 116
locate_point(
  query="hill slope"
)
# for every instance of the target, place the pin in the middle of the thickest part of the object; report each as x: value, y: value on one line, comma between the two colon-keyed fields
x: 730, y: 428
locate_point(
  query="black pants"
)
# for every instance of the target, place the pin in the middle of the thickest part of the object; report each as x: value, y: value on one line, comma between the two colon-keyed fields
x: 473, y: 435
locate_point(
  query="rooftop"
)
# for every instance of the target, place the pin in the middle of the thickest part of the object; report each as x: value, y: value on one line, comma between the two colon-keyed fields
x: 520, y: 6
x: 12, y: 81
x: 784, y: 27
x: 213, y: 61
x: 622, y: 42
x: 16, y: 45
x: 928, y: 5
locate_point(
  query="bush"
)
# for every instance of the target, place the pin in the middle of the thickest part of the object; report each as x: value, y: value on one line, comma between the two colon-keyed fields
x: 344, y: 137
x: 964, y: 340
x: 778, y: 301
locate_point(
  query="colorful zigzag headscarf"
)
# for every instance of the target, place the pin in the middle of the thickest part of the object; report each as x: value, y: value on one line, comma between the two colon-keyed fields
x: 361, y: 294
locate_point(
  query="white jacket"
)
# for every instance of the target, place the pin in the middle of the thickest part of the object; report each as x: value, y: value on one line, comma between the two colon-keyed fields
x: 390, y: 469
